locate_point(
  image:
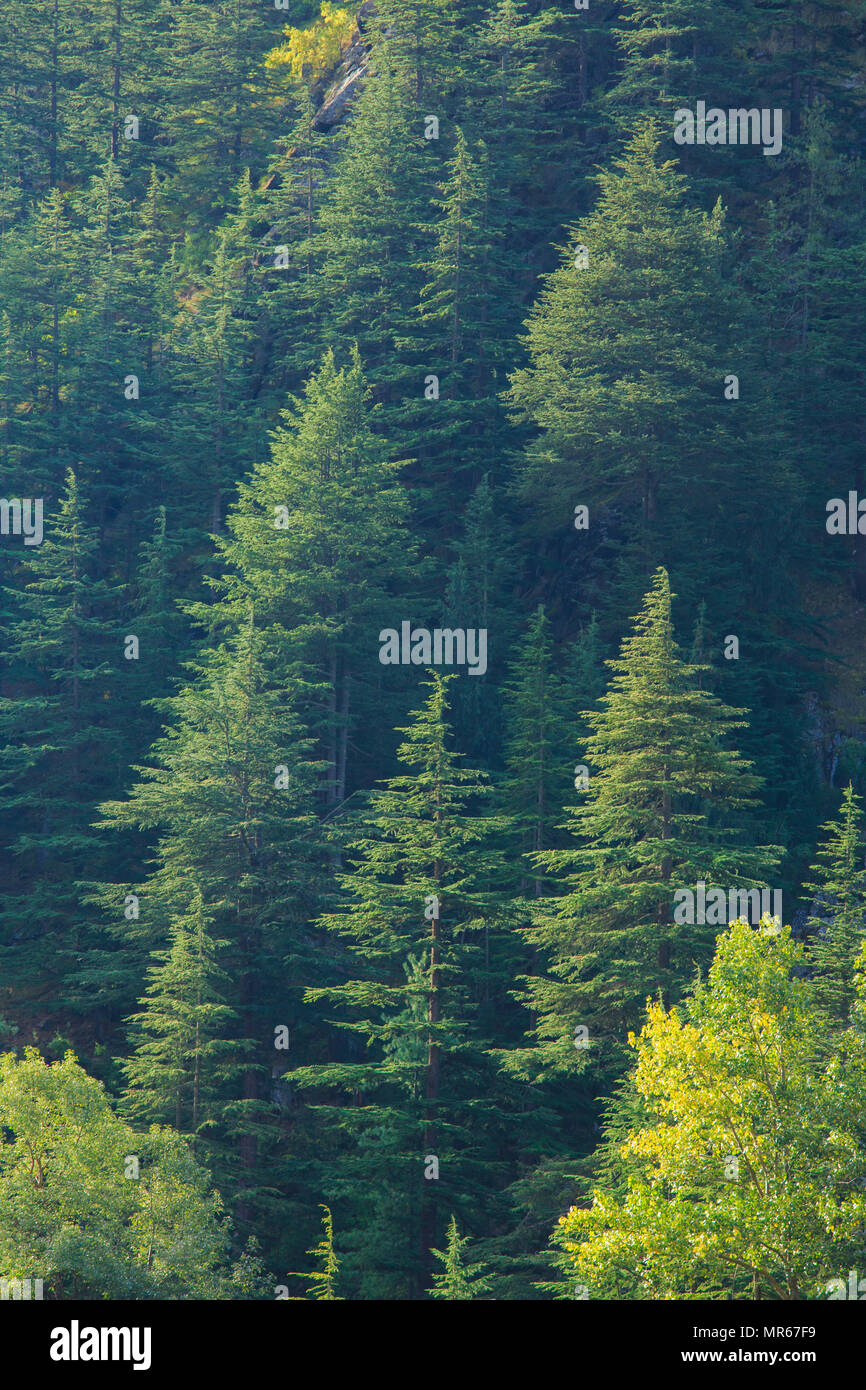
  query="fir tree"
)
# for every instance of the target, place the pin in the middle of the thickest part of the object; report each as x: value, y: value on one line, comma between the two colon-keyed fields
x: 318, y: 541
x: 630, y: 404
x: 229, y: 794
x: 537, y: 750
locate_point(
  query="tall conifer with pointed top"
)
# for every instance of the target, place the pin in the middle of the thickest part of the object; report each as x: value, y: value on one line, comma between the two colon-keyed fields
x: 839, y: 907
x: 664, y: 809
x: 423, y: 881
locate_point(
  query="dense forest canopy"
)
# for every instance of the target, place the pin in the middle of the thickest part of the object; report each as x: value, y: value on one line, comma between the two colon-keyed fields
x: 432, y: 676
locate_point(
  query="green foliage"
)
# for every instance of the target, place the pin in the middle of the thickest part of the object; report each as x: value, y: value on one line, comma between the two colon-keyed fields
x: 457, y: 1280
x: 840, y: 920
x: 746, y: 1179
x: 90, y: 1206
x: 286, y: 376
x: 322, y: 1289
x: 649, y: 822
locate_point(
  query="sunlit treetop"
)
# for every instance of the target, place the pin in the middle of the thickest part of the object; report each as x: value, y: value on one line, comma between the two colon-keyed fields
x: 313, y: 48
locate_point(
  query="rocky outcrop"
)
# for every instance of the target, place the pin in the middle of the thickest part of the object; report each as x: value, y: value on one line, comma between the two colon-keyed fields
x: 338, y: 88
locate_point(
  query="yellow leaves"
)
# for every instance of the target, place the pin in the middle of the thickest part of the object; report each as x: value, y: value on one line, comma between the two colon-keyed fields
x: 310, y: 51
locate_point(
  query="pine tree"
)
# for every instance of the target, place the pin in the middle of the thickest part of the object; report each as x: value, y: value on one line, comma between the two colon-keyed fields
x: 423, y: 46
x: 318, y: 541
x: 215, y: 366
x: 374, y: 222
x: 323, y: 1287
x: 40, y: 275
x: 537, y: 752
x: 212, y: 115
x: 624, y: 382
x: 479, y: 594
x: 467, y: 315
x: 290, y: 201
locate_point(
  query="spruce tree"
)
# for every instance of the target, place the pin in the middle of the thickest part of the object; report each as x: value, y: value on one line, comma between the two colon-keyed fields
x: 467, y: 315
x: 479, y: 594
x: 318, y: 540
x: 625, y: 383
x: 323, y: 1287
x: 374, y: 222
x: 537, y: 752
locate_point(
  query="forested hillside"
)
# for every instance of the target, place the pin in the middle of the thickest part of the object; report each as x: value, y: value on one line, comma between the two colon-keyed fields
x: 432, y: 648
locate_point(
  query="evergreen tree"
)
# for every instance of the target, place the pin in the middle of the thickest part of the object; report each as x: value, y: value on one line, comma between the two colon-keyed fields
x: 318, y: 541
x: 229, y: 793
x: 657, y: 815
x: 537, y: 751
x: 373, y: 223
x: 457, y: 1280
x: 59, y: 749
x: 478, y: 594
x: 421, y: 881
x: 467, y: 315
x: 178, y: 1039
x: 630, y: 403
x: 839, y: 910
x: 323, y: 1287
x: 212, y: 115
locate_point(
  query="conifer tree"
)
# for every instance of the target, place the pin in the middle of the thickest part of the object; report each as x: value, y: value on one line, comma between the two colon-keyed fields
x: 229, y: 794
x: 178, y: 1038
x: 478, y: 594
x: 40, y: 275
x: 59, y: 747
x: 323, y: 1287
x: 839, y: 910
x: 466, y: 315
x: 664, y: 809
x: 630, y: 403
x: 457, y: 1280
x: 219, y: 437
x: 290, y: 201
x: 213, y: 111
x: 374, y: 222
x: 537, y: 752
x: 422, y: 44
x: 422, y: 881
x: 318, y: 541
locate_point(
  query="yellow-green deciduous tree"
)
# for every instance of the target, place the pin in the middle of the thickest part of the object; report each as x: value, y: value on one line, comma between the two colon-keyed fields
x: 316, y: 46
x: 745, y: 1177
x: 90, y: 1206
